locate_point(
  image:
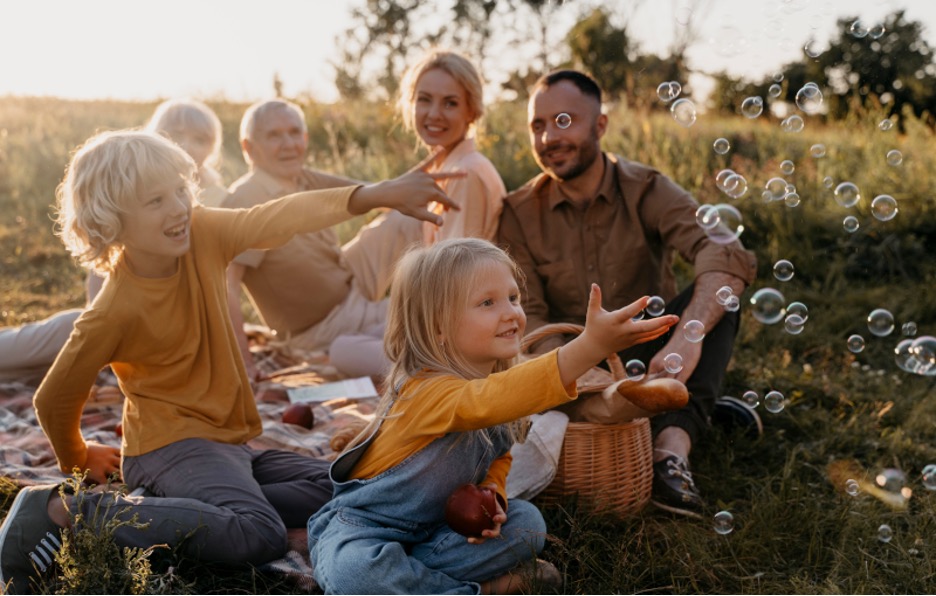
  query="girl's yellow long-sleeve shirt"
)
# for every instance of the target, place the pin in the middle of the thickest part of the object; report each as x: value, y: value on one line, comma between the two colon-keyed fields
x: 170, y: 341
x: 431, y: 406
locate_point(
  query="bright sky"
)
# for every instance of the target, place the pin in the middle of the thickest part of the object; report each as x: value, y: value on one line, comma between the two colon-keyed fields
x: 149, y: 49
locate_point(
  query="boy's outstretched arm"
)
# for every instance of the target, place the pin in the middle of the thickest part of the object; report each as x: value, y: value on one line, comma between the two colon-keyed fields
x: 410, y: 194
x: 608, y: 332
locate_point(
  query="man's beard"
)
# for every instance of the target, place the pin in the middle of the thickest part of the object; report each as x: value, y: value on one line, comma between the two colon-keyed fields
x: 584, y: 156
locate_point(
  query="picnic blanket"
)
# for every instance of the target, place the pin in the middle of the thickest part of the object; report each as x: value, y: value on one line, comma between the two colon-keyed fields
x: 26, y: 456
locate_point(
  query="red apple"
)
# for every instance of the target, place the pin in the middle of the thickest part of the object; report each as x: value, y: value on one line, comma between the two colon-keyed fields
x: 470, y: 509
x: 273, y: 395
x: 300, y: 415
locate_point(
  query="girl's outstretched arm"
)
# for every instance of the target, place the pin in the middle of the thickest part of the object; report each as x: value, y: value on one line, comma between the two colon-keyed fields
x: 608, y: 332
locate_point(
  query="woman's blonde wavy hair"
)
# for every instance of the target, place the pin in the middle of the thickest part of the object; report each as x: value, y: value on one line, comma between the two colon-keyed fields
x: 431, y: 287
x: 106, y: 174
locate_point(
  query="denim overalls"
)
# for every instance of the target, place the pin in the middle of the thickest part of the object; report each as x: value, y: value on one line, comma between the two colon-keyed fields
x: 388, y: 535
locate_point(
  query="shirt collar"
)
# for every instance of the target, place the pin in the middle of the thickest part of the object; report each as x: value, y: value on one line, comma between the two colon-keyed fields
x: 271, y: 185
x: 607, y: 190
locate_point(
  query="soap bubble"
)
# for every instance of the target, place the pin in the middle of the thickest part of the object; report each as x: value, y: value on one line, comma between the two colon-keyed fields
x: 751, y: 398
x: 885, y: 533
x: 877, y: 31
x: 721, y: 146
x: 787, y: 166
x: 799, y: 309
x: 818, y: 150
x: 809, y: 98
x: 923, y: 350
x: 855, y: 343
x: 909, y: 329
x: 668, y: 91
x: 847, y: 194
x: 767, y: 306
x: 774, y: 402
x: 724, y: 522
x: 684, y: 112
x: 723, y: 294
x: 850, y: 223
x: 694, y: 331
x: 733, y: 303
x: 655, y: 306
x: 894, y: 157
x: 793, y: 324
x: 635, y: 369
x: 852, y: 487
x: 893, y: 481
x: 905, y: 360
x: 774, y: 91
x: 563, y: 120
x: 886, y: 124
x: 752, y: 107
x: 707, y: 217
x: 783, y: 270
x: 929, y: 477
x: 673, y: 363
x: 812, y: 49
x: 884, y: 207
x: 858, y: 29
x: 792, y: 199
x: 728, y: 227
x: 777, y: 188
x: 792, y: 123
x: 828, y: 182
x: 880, y: 322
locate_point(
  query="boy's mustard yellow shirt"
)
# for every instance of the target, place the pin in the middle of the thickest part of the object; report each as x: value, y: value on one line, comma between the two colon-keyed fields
x: 170, y: 340
x: 431, y: 406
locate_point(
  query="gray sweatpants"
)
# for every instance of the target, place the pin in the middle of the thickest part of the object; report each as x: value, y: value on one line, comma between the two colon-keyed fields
x: 222, y: 503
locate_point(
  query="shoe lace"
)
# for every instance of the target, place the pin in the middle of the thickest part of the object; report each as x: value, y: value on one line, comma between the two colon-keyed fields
x: 44, y: 554
x: 677, y: 467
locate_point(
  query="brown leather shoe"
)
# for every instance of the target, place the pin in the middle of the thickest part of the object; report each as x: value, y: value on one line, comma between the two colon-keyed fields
x: 656, y: 395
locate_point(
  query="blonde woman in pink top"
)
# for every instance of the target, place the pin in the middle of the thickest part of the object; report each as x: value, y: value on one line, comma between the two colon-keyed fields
x: 441, y: 101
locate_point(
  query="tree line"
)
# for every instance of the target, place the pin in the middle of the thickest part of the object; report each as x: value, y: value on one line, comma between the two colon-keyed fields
x: 887, y: 65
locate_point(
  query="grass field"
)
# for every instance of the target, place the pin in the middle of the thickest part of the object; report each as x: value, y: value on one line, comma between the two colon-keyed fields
x: 846, y: 415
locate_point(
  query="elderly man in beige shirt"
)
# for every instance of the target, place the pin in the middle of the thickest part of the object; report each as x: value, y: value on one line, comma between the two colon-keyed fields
x: 311, y: 289
x: 593, y: 217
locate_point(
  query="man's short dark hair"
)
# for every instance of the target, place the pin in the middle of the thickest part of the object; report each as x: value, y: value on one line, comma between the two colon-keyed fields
x: 582, y: 81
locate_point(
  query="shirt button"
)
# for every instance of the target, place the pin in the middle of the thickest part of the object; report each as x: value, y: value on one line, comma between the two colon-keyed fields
x: 591, y: 267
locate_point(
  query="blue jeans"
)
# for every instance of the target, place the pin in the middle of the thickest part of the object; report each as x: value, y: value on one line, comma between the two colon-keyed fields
x: 387, y: 534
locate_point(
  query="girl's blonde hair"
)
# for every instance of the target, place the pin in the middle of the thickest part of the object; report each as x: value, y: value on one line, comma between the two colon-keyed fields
x: 108, y: 173
x: 459, y: 68
x: 431, y: 287
x: 189, y: 114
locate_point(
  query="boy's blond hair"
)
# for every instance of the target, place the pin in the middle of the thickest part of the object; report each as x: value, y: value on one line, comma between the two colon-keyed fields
x: 459, y: 68
x: 431, y: 288
x: 106, y: 174
x: 189, y: 114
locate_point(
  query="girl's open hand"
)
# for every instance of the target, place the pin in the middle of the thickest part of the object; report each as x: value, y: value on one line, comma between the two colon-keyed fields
x: 608, y: 332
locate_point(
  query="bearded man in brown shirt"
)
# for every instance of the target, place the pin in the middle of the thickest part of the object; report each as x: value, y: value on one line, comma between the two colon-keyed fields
x: 594, y: 217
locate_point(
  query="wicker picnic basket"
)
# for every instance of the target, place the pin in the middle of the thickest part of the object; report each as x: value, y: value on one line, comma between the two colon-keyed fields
x: 609, y: 466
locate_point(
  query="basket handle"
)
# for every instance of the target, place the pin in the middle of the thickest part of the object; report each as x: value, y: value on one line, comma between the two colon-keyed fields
x: 540, y: 333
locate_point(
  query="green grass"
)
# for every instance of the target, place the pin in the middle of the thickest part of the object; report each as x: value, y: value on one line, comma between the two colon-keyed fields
x: 796, y: 530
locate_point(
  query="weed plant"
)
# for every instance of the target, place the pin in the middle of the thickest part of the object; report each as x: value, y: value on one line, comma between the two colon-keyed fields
x: 846, y: 415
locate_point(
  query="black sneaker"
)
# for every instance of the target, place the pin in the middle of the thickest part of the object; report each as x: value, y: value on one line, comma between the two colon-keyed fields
x: 674, y: 489
x: 731, y: 413
x: 28, y: 540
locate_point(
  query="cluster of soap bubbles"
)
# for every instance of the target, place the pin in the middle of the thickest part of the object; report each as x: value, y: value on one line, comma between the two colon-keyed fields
x: 774, y: 401
x: 731, y: 183
x: 668, y: 91
x: 859, y: 30
x: 917, y: 356
x: 682, y: 110
x: 726, y: 297
x: 778, y: 189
